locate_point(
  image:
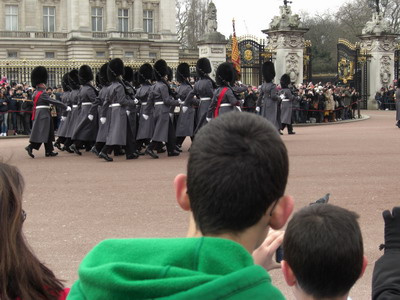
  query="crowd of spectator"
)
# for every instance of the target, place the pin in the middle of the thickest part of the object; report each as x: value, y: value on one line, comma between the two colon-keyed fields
x: 16, y: 107
x: 385, y: 98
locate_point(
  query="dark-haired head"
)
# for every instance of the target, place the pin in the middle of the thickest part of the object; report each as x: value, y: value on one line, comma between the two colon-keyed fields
x: 323, y: 248
x: 21, y: 273
x: 238, y: 167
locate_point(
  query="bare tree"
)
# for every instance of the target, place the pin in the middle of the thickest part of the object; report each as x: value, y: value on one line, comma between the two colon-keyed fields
x: 191, y: 21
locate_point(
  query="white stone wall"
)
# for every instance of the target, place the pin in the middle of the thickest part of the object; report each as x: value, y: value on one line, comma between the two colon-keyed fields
x: 74, y: 39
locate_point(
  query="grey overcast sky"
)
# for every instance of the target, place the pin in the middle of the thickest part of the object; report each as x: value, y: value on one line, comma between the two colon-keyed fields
x: 252, y: 16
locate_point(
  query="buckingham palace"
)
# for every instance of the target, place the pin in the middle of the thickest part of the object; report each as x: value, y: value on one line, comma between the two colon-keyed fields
x: 84, y: 30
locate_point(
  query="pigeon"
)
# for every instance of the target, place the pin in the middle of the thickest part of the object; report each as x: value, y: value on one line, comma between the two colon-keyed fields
x: 322, y: 200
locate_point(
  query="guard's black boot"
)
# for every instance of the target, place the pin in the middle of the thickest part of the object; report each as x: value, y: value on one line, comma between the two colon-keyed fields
x: 29, y: 150
x: 105, y: 156
x: 51, y: 154
x: 151, y: 153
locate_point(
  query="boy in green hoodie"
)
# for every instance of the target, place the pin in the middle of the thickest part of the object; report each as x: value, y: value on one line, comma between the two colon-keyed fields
x: 234, y: 190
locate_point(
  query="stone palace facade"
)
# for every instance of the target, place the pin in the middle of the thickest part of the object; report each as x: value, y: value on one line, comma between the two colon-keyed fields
x: 84, y: 30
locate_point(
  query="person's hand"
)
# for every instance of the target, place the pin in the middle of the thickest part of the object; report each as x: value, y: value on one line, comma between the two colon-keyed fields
x: 208, y: 120
x: 63, y: 118
x: 69, y: 108
x: 128, y: 113
x: 265, y: 254
x: 90, y: 117
x: 282, y: 96
x: 258, y: 109
x: 392, y: 228
x: 146, y: 117
x: 103, y: 120
x: 184, y: 109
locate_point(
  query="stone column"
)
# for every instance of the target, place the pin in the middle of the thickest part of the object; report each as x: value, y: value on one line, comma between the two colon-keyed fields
x: 212, y: 44
x: 138, y: 16
x: 381, y: 50
x: 167, y: 16
x: 111, y: 14
x: 289, y: 48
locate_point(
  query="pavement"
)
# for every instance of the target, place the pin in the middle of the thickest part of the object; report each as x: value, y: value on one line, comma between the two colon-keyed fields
x: 73, y: 202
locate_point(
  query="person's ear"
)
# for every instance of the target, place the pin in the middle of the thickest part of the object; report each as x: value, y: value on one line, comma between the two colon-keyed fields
x: 364, y: 266
x: 281, y: 212
x: 288, y: 273
x: 181, y: 192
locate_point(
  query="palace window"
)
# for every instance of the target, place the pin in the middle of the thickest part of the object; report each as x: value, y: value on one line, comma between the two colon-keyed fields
x: 49, y: 55
x: 12, y: 17
x: 12, y: 54
x: 97, y: 19
x: 123, y: 20
x: 148, y: 21
x: 49, y: 18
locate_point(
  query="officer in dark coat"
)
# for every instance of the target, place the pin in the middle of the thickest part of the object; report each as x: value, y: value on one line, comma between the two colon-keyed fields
x: 204, y: 90
x: 86, y: 124
x: 287, y: 98
x: 42, y: 129
x: 98, y: 108
x: 268, y: 99
x: 187, y: 114
x: 73, y: 99
x: 131, y: 111
x: 146, y: 118
x: 62, y: 129
x: 161, y: 98
x: 118, y: 102
x: 224, y: 99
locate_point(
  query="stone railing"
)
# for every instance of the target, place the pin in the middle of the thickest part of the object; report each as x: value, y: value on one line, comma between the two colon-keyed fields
x: 30, y: 34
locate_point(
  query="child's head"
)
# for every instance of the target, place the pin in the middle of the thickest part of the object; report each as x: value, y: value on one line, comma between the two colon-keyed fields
x: 323, y: 251
x: 237, y: 170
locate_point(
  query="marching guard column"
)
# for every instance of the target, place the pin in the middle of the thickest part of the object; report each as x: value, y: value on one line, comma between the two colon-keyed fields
x: 286, y: 38
x: 379, y: 41
x: 212, y: 44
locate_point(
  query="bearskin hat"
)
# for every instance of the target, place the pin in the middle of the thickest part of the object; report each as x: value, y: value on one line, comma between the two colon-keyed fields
x: 268, y: 70
x: 103, y: 75
x: 225, y: 74
x: 115, y: 69
x: 65, y: 83
x: 285, y: 81
x: 170, y: 74
x: 182, y: 72
x: 85, y: 74
x: 160, y: 69
x: 98, y: 83
x: 128, y: 74
x: 73, y: 79
x: 145, y: 73
x: 39, y: 75
x: 203, y: 67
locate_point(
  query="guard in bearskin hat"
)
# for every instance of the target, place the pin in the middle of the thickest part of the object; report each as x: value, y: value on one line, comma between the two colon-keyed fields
x: 131, y: 145
x: 397, y: 95
x: 287, y: 98
x: 87, y: 124
x: 161, y: 98
x: 224, y: 99
x: 73, y: 80
x: 186, y: 119
x: 118, y: 102
x: 62, y: 129
x: 42, y: 128
x: 203, y: 89
x: 146, y: 117
x: 97, y: 108
x: 268, y: 99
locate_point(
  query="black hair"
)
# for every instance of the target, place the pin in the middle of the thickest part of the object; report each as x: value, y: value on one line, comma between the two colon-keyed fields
x: 323, y: 246
x: 238, y: 166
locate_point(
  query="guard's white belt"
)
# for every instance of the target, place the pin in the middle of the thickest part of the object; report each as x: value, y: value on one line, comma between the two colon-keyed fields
x: 115, y: 105
x: 144, y: 103
x: 205, y: 99
x: 159, y: 103
x: 225, y: 104
x: 86, y: 103
x: 285, y: 100
x: 74, y: 106
x: 42, y: 106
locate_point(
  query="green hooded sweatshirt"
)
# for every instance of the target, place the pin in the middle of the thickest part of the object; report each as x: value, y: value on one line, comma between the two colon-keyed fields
x: 184, y: 268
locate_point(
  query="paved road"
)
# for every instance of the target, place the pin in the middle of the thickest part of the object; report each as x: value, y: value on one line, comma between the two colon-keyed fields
x: 74, y: 202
